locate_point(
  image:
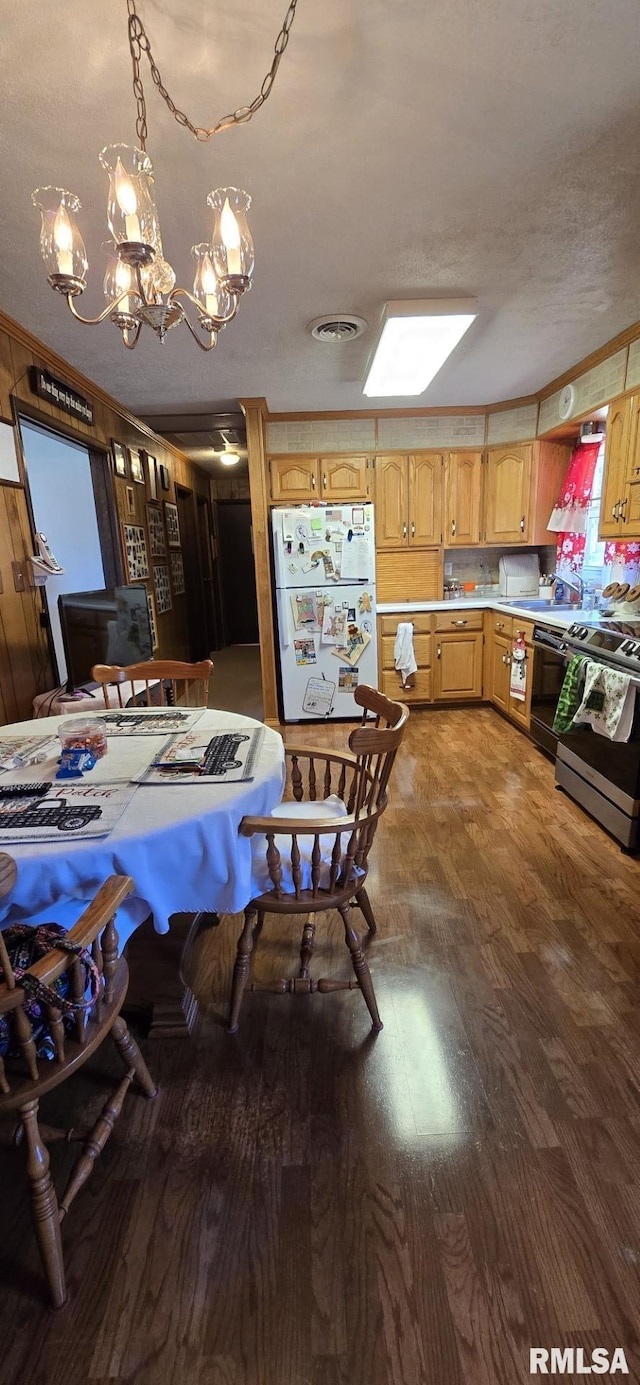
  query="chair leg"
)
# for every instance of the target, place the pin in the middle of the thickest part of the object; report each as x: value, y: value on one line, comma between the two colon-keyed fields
x: 360, y: 967
x: 132, y: 1057
x: 306, y: 946
x: 241, y: 969
x: 258, y: 928
x: 364, y: 904
x: 44, y: 1205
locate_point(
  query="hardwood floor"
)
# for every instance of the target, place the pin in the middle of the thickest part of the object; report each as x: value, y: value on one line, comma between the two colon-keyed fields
x: 307, y: 1204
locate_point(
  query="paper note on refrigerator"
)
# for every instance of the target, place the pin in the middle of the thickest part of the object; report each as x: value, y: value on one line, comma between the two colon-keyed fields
x: 304, y: 609
x: 356, y: 559
x: 333, y: 625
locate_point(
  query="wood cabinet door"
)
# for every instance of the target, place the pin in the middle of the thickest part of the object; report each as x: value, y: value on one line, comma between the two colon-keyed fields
x: 630, y: 507
x: 463, y: 490
x: 294, y: 478
x: 615, y: 469
x: 507, y: 495
x: 425, y: 499
x: 343, y: 478
x: 391, y: 502
x: 498, y: 670
x: 458, y: 667
x: 520, y: 712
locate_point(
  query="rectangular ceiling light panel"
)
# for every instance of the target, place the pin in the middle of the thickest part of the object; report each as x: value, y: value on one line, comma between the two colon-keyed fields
x: 416, y: 339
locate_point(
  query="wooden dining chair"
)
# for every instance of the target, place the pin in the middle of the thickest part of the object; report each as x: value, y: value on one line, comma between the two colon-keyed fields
x: 50, y: 998
x: 312, y: 853
x: 176, y: 682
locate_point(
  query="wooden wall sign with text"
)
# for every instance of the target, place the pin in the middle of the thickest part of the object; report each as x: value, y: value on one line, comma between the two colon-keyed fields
x: 64, y: 398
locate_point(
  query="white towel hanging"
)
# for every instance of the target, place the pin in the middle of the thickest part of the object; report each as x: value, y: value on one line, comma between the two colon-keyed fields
x: 404, y: 657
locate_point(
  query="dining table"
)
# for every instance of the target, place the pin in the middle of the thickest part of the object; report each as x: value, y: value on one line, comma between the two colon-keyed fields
x: 179, y: 842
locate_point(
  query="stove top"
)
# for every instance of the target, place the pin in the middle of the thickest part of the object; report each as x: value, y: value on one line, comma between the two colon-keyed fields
x: 604, y: 637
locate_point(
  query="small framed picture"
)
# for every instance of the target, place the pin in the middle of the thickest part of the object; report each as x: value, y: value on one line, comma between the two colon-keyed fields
x: 177, y: 574
x: 164, y: 477
x: 152, y: 477
x: 162, y: 588
x: 131, y: 500
x: 156, y: 531
x: 119, y: 454
x: 152, y: 620
x: 137, y: 469
x: 135, y: 545
x: 172, y: 523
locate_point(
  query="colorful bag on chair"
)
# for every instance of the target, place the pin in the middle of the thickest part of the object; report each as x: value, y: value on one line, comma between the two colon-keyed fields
x: 26, y: 945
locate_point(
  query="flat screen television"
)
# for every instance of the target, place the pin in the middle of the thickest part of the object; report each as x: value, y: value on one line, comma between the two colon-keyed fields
x: 104, y: 627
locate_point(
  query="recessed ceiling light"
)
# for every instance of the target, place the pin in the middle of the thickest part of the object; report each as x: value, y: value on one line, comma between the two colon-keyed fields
x: 416, y: 339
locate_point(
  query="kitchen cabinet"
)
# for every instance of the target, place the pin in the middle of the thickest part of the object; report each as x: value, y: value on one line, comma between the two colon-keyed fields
x: 500, y: 632
x: 390, y: 679
x: 620, y: 507
x: 300, y: 478
x: 463, y: 502
x: 521, y: 486
x: 459, y: 642
x: 408, y: 500
x: 507, y: 496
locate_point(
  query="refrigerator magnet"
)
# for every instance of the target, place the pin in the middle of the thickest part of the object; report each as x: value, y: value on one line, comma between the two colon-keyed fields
x: 357, y: 516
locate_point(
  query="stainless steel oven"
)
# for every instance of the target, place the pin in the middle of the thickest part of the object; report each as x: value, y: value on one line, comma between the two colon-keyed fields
x: 603, y: 776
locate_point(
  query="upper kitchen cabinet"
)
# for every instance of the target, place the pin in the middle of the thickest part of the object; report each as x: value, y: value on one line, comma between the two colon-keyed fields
x: 340, y: 478
x: 507, y: 498
x: 343, y: 478
x: 620, y: 508
x: 521, y: 486
x: 294, y: 478
x: 408, y: 499
x: 463, y: 503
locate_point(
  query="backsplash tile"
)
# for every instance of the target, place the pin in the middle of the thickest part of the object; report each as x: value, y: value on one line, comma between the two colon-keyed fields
x: 437, y: 430
x: 322, y: 435
x: 513, y: 425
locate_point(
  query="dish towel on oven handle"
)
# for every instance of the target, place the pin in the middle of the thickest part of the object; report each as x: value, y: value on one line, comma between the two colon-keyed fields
x: 608, y: 702
x: 404, y: 656
x: 570, y: 696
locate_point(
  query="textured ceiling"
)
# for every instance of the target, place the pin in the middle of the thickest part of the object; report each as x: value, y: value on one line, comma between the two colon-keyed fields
x: 409, y: 148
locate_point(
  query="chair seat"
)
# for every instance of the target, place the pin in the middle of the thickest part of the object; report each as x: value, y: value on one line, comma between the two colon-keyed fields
x: 331, y: 807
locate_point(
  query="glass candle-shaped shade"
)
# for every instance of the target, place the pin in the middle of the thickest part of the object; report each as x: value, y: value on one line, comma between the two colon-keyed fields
x: 131, y: 207
x: 231, y: 242
x: 212, y: 297
x: 61, y: 245
x: 120, y: 278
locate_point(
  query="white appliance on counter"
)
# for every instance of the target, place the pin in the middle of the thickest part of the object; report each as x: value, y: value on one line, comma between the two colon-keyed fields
x: 519, y: 574
x: 324, y: 562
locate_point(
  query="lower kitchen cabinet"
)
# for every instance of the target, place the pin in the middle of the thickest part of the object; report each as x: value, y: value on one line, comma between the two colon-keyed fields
x: 390, y: 680
x: 458, y: 666
x: 498, y: 670
x: 500, y: 632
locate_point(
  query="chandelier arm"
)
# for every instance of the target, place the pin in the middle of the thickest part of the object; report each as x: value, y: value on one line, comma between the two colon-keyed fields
x: 141, y: 290
x: 131, y: 343
x: 139, y: 43
x: 110, y: 308
x: 196, y: 336
x: 219, y: 321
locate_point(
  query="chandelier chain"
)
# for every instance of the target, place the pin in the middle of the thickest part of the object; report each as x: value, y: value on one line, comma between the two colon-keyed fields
x: 139, y: 44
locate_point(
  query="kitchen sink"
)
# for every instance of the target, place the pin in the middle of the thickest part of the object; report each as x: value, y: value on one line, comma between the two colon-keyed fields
x: 538, y: 604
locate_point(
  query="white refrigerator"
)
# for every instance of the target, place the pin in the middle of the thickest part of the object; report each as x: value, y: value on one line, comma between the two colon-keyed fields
x: 324, y: 574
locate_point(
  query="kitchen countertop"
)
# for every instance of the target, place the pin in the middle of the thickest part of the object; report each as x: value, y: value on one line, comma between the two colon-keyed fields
x: 548, y: 616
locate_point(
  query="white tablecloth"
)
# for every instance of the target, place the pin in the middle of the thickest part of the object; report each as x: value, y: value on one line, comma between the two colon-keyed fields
x: 179, y: 843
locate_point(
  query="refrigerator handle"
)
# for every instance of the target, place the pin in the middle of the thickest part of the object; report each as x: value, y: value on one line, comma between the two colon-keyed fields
x: 284, y: 617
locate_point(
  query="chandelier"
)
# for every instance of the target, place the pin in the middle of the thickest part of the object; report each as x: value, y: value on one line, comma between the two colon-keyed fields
x: 139, y: 283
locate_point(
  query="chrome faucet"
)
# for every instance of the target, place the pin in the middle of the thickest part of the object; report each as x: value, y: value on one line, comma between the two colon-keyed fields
x: 577, y: 585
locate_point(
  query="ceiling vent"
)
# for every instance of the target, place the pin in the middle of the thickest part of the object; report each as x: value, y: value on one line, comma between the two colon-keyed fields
x: 339, y: 327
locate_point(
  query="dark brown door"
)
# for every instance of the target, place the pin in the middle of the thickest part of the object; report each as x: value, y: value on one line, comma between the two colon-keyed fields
x: 195, y: 633
x: 238, y: 574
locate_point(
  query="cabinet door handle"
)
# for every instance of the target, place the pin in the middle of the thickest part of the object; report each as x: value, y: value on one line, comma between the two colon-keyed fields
x: 439, y: 651
x: 499, y: 625
x: 413, y: 530
x: 622, y: 516
x: 458, y: 622
x: 453, y: 528
x: 324, y: 482
x: 613, y: 512
x: 522, y: 523
x: 313, y: 482
x: 404, y: 531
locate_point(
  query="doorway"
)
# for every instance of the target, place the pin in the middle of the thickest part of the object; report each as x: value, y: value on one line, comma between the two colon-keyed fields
x: 237, y: 572
x: 212, y: 613
x: 63, y: 506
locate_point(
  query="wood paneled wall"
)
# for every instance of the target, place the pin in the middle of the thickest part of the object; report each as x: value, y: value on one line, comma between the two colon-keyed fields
x: 25, y: 666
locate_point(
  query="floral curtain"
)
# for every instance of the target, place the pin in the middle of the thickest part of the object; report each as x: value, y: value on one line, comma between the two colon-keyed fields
x: 569, y: 515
